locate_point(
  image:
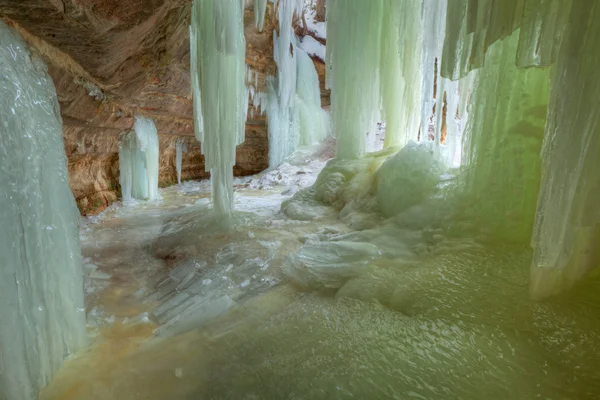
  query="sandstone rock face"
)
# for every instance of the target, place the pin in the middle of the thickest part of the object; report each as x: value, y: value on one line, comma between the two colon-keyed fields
x: 111, y: 60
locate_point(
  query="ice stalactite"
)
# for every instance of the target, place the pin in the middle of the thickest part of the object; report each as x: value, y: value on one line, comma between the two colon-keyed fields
x: 353, y: 64
x: 294, y: 109
x: 260, y: 7
x: 180, y: 148
x: 138, y: 162
x: 503, y: 142
x: 220, y: 95
x: 567, y: 227
x: 41, y: 290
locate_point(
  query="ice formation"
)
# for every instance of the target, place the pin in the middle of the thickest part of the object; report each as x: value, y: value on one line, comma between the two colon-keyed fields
x: 41, y: 289
x: 567, y: 223
x: 138, y: 162
x: 503, y: 142
x: 219, y: 88
x: 474, y: 69
x: 180, y: 148
x: 353, y: 55
x: 260, y: 7
x: 294, y: 110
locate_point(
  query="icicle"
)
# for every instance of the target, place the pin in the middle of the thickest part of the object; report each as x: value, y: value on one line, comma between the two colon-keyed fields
x: 566, y: 232
x: 147, y: 154
x: 503, y: 141
x: 260, y: 7
x: 218, y: 75
x: 42, y: 314
x: 353, y: 61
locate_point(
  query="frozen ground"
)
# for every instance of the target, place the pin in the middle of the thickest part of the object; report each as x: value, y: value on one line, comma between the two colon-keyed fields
x: 336, y: 306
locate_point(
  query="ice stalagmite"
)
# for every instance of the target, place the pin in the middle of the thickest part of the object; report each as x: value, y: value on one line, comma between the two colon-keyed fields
x: 567, y: 227
x: 353, y: 62
x: 220, y: 96
x: 138, y: 162
x: 504, y: 138
x: 42, y: 316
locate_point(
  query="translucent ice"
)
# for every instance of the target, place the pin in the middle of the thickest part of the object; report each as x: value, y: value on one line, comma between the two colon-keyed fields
x: 42, y: 317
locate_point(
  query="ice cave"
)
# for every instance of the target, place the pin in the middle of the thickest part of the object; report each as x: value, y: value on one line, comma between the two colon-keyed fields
x: 299, y: 199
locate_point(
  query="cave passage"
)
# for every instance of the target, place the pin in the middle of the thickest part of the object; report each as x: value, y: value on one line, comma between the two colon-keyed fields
x: 433, y: 234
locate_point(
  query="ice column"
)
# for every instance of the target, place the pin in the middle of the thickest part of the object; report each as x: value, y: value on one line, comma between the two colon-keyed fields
x: 353, y: 61
x: 401, y: 70
x: 503, y: 141
x: 42, y: 316
x: 138, y: 162
x: 567, y: 226
x: 220, y: 96
x: 312, y: 119
x: 180, y: 148
x: 147, y: 143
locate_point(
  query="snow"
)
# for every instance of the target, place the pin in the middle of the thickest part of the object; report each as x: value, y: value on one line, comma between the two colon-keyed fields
x: 313, y: 47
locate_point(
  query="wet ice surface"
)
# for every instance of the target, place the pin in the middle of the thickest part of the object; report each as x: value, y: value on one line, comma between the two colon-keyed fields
x: 183, y: 306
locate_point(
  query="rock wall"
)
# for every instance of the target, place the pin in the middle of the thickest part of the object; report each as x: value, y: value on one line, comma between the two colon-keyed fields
x: 111, y: 60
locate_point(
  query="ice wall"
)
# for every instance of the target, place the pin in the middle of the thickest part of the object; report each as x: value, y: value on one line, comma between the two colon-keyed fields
x: 42, y: 316
x: 220, y: 96
x: 567, y: 228
x: 503, y: 140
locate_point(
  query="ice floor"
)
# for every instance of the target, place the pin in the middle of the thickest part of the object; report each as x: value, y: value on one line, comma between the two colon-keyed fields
x: 183, y: 306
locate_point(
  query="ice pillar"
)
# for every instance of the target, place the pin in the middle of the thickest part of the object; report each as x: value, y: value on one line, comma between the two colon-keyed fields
x: 220, y: 96
x: 353, y: 61
x: 180, y: 148
x: 42, y: 317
